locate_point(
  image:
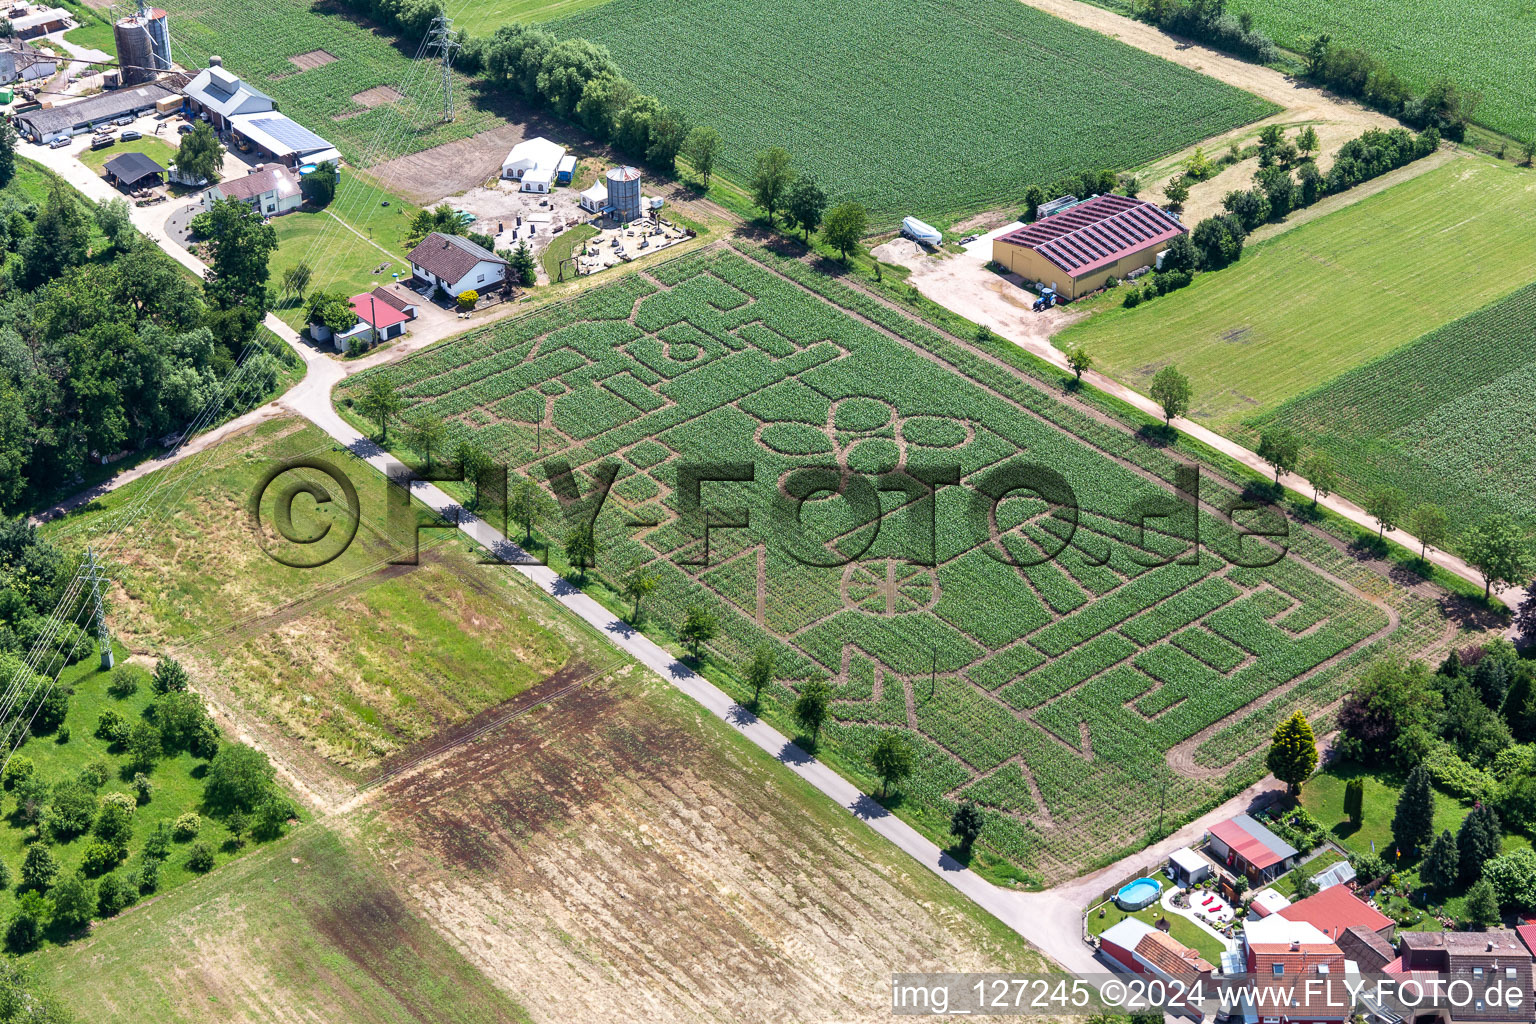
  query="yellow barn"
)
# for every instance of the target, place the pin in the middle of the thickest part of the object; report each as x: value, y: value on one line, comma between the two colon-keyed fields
x: 1077, y: 250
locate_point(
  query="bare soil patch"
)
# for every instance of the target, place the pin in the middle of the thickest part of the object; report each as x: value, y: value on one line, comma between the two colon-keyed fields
x: 618, y: 845
x: 377, y: 96
x: 313, y: 59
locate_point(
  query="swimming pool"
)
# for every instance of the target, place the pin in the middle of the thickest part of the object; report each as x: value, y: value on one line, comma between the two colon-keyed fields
x: 1140, y: 893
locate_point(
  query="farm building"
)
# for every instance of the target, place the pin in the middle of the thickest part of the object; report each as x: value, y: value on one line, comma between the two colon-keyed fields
x: 271, y: 189
x: 532, y: 155
x: 221, y: 95
x: 22, y: 62
x: 456, y: 264
x: 281, y: 138
x: 67, y: 119
x: 1244, y: 845
x: 1079, y: 249
x: 40, y: 23
x: 133, y: 170
x: 1334, y: 910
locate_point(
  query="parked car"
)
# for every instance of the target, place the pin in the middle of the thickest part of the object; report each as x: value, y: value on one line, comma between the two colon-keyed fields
x: 123, y: 122
x: 60, y: 143
x: 130, y: 136
x: 183, y: 129
x: 102, y: 141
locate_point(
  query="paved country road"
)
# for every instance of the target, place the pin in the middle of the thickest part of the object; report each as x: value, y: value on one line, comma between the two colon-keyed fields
x: 1050, y: 920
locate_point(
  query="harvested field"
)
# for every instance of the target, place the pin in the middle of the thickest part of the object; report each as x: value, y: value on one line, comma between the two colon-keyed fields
x: 377, y: 96
x: 621, y: 854
x: 312, y: 59
x: 429, y: 176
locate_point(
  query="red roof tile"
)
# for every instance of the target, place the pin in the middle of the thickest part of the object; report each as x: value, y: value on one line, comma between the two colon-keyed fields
x: 366, y: 308
x: 1094, y: 234
x: 1170, y: 956
x: 1335, y: 909
x: 1299, y: 964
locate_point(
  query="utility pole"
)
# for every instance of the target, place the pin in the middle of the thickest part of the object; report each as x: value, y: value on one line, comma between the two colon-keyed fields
x: 442, y: 43
x: 91, y: 573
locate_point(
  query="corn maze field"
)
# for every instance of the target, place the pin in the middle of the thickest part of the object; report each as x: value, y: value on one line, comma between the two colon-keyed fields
x: 894, y: 512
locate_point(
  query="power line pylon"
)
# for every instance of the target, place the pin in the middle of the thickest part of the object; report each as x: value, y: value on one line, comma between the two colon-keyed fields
x: 444, y: 44
x: 91, y: 573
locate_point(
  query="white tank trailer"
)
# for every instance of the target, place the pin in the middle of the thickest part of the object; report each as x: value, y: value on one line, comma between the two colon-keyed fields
x: 624, y: 193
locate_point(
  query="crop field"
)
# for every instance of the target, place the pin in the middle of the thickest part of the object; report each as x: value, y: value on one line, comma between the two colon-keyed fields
x: 256, y: 42
x: 1486, y: 46
x: 1329, y: 295
x: 939, y: 108
x: 1035, y: 684
x: 1447, y: 419
x: 326, y: 655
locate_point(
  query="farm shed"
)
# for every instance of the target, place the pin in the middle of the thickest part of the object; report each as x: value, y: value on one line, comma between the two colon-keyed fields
x: 456, y: 264
x: 1079, y: 249
x: 29, y: 26
x: 281, y: 138
x: 1186, y: 867
x: 271, y: 190
x: 1246, y: 846
x: 221, y: 96
x: 21, y: 61
x: 62, y: 121
x: 400, y: 297
x: 133, y: 170
x: 531, y: 155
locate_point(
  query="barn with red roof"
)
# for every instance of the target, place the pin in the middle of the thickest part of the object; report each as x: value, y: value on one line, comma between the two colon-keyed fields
x: 1247, y: 847
x: 1080, y: 248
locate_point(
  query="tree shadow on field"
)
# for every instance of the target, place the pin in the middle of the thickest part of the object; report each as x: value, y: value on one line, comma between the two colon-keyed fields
x: 1158, y: 435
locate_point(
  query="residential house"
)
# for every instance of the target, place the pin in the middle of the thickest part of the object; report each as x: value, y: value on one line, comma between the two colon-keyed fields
x: 1335, y: 910
x: 271, y: 189
x: 456, y: 264
x: 1488, y: 963
x: 1138, y: 947
x: 377, y: 320
x: 1368, y: 948
x: 1299, y: 979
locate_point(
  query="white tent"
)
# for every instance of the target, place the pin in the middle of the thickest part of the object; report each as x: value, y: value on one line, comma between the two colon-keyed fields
x: 538, y: 180
x: 595, y: 198
x: 532, y: 155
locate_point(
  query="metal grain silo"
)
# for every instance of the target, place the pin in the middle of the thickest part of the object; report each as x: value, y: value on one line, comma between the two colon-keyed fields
x: 624, y: 193
x: 160, y: 38
x: 135, y: 50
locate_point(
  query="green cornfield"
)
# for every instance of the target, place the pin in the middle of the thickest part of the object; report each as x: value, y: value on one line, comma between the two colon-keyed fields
x: 912, y: 106
x: 1447, y: 419
x: 1485, y: 46
x: 1035, y: 685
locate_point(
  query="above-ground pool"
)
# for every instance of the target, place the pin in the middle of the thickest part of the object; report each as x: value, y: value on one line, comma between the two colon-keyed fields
x: 1140, y: 893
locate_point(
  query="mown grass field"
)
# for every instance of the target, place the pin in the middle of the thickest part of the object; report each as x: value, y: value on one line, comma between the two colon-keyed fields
x: 359, y: 658
x: 307, y: 922
x: 348, y: 261
x: 1447, y: 419
x: 162, y: 153
x: 1329, y: 295
x: 1034, y: 689
x: 484, y: 19
x: 914, y: 107
x: 1487, y: 46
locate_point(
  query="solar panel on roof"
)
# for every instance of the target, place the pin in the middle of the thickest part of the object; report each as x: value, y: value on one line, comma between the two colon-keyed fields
x: 290, y: 133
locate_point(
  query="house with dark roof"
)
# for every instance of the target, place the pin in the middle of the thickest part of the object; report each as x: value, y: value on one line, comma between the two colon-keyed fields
x: 1368, y: 948
x: 456, y: 264
x: 1335, y: 910
x: 271, y: 189
x: 1487, y: 963
x: 1077, y: 250
x: 1244, y: 846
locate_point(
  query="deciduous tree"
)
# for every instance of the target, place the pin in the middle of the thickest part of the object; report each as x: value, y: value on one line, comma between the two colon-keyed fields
x: 1080, y: 362
x: 199, y: 155
x: 699, y: 149
x: 805, y: 203
x: 1280, y: 447
x: 811, y: 707
x: 424, y: 432
x: 1321, y: 473
x: 1171, y: 390
x: 760, y: 671
x: 891, y: 758
x: 637, y: 584
x: 1497, y: 548
x: 844, y: 227
x: 379, y: 401
x: 1482, y: 905
x: 699, y: 628
x: 1386, y: 505
x: 581, y: 547
x: 771, y: 178
x: 1428, y: 522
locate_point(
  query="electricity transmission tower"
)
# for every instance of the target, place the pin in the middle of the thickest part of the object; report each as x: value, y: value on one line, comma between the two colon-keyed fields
x: 91, y: 573
x: 443, y: 43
